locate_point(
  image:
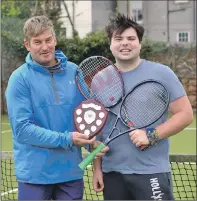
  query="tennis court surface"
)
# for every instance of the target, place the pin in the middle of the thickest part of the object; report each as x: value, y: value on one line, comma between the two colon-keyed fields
x: 183, y: 172
x: 183, y: 163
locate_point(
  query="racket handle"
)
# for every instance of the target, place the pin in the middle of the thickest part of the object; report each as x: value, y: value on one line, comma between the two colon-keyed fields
x: 91, y: 156
x: 143, y: 147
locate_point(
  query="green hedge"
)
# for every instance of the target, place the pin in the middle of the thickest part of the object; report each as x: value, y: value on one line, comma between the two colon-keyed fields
x: 96, y: 43
x: 77, y: 49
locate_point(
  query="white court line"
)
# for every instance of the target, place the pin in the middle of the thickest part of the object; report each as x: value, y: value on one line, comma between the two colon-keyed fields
x: 9, y: 192
x: 184, y: 129
x: 6, y: 131
x: 5, y: 123
x: 190, y: 129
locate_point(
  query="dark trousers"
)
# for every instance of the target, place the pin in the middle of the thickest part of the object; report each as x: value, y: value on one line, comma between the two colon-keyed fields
x: 119, y: 186
x: 72, y: 190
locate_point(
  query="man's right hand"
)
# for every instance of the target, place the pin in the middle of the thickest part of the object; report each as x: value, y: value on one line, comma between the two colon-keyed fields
x: 97, y: 181
x: 81, y: 139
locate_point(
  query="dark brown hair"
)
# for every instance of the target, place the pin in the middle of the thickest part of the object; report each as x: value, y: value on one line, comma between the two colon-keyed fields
x: 119, y: 23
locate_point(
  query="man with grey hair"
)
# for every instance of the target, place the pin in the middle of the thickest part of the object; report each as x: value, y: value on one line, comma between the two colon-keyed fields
x: 41, y: 96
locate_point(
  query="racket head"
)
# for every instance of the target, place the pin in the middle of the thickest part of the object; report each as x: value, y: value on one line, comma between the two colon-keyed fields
x: 102, y: 79
x: 144, y: 104
x: 90, y: 117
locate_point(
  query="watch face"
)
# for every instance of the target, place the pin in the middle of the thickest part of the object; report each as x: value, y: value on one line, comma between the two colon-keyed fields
x: 90, y: 117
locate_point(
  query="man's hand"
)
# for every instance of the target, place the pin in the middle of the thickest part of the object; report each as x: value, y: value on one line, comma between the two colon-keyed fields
x: 81, y: 139
x: 97, y: 181
x: 95, y: 144
x: 139, y: 137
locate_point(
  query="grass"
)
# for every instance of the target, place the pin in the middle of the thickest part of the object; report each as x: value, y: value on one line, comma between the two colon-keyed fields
x: 185, y: 141
x: 184, y: 175
x: 184, y: 182
x: 182, y: 143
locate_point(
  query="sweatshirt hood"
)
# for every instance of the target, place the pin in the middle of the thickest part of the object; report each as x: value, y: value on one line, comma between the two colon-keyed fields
x: 59, y: 56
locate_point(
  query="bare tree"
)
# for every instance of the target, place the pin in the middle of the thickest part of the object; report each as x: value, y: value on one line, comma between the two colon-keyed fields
x: 72, y: 21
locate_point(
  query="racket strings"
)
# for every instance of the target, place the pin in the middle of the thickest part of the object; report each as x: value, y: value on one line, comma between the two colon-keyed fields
x: 103, y: 81
x: 83, y: 87
x: 107, y: 87
x: 144, y: 104
x: 91, y: 66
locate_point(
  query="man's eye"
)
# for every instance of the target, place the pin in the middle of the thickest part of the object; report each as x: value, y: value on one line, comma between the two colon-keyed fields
x: 37, y: 42
x: 132, y: 38
x: 49, y: 40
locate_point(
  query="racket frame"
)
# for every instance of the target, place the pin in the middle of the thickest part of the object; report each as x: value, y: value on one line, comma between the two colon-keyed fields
x: 107, y: 140
x: 110, y: 63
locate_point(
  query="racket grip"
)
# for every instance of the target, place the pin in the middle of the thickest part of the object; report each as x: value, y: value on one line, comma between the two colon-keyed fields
x: 91, y: 156
x: 143, y: 147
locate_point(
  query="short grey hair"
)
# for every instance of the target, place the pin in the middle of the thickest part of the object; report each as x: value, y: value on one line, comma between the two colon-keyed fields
x: 36, y: 25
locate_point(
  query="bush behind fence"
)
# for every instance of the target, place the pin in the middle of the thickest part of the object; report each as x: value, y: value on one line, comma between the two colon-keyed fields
x: 180, y: 59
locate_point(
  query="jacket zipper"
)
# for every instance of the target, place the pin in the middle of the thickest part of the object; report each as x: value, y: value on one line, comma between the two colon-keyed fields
x: 55, y: 89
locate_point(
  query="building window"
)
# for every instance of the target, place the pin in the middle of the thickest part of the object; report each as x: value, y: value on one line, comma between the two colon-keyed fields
x: 137, y: 15
x: 183, y: 37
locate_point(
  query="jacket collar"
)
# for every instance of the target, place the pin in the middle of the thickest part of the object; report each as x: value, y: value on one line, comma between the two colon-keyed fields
x: 59, y: 55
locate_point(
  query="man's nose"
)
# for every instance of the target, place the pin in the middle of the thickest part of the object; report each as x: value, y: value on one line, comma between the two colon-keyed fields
x: 124, y: 42
x: 44, y: 46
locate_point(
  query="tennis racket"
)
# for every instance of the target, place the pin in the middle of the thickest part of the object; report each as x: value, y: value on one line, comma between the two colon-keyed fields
x: 103, y: 81
x: 140, y: 108
x: 98, y: 80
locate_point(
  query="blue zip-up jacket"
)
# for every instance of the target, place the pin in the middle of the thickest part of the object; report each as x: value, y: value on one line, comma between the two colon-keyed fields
x: 40, y: 108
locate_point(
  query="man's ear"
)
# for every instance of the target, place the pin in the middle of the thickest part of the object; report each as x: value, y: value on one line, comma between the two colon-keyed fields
x: 27, y: 45
x: 110, y: 47
x: 140, y: 45
x: 55, y: 40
